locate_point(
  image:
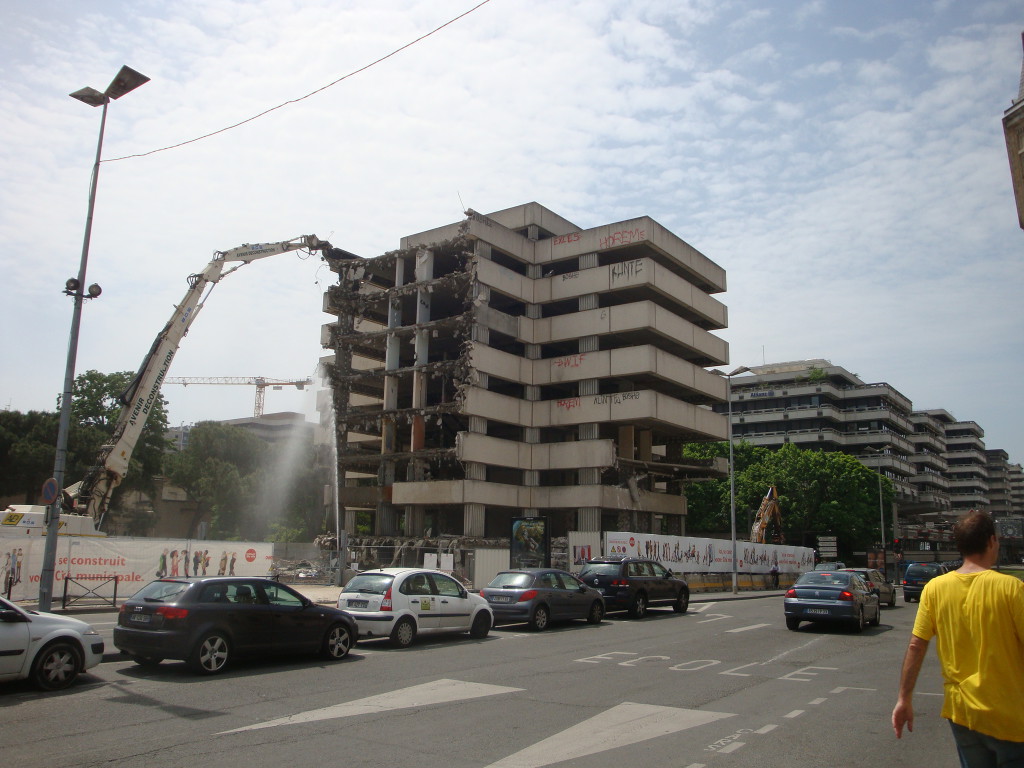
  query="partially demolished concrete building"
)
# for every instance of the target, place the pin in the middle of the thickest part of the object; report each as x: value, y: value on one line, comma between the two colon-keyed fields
x: 513, y: 364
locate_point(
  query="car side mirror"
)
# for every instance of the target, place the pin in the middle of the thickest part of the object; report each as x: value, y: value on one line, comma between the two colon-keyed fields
x: 582, y: 587
x: 10, y: 616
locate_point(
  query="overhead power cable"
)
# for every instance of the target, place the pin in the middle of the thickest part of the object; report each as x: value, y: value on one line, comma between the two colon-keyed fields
x: 311, y: 93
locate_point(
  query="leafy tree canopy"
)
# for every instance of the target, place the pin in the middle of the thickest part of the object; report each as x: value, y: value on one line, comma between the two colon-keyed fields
x: 28, y: 441
x: 819, y: 493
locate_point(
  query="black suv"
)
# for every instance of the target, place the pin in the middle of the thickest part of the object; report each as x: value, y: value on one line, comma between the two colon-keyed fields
x: 634, y: 583
x: 916, y: 576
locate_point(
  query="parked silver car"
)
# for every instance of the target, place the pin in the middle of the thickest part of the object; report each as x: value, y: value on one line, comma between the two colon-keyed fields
x: 541, y: 595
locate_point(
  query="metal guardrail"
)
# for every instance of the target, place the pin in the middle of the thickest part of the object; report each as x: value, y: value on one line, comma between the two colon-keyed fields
x: 90, y: 592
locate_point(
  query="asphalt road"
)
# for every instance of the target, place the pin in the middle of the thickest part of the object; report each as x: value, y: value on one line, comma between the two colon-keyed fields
x: 724, y: 686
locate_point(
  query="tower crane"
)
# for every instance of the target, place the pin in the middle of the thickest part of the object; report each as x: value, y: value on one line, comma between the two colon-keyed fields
x: 260, y: 382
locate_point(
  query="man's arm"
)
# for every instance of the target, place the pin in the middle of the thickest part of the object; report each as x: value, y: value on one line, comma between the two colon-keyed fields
x: 903, y: 712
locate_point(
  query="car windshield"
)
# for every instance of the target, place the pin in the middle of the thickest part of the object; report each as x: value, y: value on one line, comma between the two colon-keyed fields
x: 370, y: 583
x: 162, y: 591
x: 511, y: 581
x: 824, y: 578
x: 602, y: 569
x: 923, y: 570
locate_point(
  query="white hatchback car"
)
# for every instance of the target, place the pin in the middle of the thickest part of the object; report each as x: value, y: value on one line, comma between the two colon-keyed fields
x: 401, y: 603
x: 49, y: 649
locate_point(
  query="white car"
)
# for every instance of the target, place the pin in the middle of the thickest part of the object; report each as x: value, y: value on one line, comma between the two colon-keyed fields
x: 49, y: 649
x: 401, y: 603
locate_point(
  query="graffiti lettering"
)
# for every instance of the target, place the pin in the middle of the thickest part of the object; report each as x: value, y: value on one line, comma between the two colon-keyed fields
x: 570, y: 361
x: 563, y: 239
x: 623, y: 237
x: 570, y: 276
x: 568, y: 403
x: 627, y: 270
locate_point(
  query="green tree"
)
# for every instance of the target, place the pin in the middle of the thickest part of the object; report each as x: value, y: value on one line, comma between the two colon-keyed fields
x: 707, y: 502
x: 819, y: 494
x: 220, y: 470
x: 27, y: 445
x: 28, y: 441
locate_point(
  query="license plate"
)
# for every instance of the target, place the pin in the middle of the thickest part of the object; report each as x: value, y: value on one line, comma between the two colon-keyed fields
x: 140, y: 618
x: 501, y: 599
x: 358, y: 603
x: 820, y: 611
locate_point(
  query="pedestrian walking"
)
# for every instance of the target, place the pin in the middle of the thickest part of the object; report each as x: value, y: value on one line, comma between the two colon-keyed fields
x: 775, y: 575
x: 977, y: 616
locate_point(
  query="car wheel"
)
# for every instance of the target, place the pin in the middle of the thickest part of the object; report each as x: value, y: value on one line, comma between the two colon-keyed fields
x: 56, y: 666
x: 682, y: 602
x: 639, y: 607
x: 792, y: 624
x: 596, y: 614
x: 858, y: 623
x: 145, y: 661
x: 481, y: 626
x: 338, y: 642
x: 540, y: 618
x: 908, y: 599
x: 892, y: 600
x: 878, y: 616
x: 211, y: 654
x: 404, y: 633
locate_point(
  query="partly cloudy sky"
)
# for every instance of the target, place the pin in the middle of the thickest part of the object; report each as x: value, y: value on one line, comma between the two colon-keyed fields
x: 843, y: 161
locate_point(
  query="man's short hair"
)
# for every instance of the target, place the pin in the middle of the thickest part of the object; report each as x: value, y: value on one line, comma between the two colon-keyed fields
x: 973, y: 531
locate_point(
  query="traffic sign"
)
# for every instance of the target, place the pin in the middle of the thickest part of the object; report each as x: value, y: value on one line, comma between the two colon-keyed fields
x: 50, y: 491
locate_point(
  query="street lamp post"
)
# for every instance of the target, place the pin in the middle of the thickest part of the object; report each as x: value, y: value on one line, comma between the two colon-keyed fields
x: 732, y: 470
x: 126, y: 80
x: 881, y: 510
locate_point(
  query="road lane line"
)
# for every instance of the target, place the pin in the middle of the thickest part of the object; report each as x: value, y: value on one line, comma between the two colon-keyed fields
x: 746, y: 629
x: 794, y: 713
x: 731, y: 747
x: 766, y: 729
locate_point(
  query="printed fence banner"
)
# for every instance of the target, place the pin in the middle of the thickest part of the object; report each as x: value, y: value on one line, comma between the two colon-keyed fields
x: 688, y: 554
x: 135, y: 562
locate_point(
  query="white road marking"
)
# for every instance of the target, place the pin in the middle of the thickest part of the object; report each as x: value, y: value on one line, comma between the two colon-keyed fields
x: 817, y: 701
x: 716, y: 617
x: 732, y: 747
x: 700, y: 608
x: 791, y: 650
x: 766, y: 729
x: 438, y: 692
x: 794, y: 713
x: 745, y: 629
x: 696, y: 765
x: 620, y: 726
x: 842, y: 688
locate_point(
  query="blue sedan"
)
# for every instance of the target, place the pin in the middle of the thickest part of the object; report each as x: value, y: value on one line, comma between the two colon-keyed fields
x: 831, y: 596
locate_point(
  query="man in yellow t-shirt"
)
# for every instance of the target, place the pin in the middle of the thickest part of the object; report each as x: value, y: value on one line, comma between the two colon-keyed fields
x: 978, y: 616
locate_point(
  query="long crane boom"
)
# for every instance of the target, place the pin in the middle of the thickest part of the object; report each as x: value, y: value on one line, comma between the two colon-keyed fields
x: 113, y: 458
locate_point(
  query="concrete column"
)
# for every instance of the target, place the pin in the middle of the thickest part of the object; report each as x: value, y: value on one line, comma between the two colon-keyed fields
x: 473, y: 519
x: 626, y: 442
x: 478, y: 424
x: 414, y: 520
x: 385, y: 522
x: 424, y: 273
x: 588, y: 519
x: 644, y: 444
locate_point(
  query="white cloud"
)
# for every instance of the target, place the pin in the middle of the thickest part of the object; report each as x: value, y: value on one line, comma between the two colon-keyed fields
x: 846, y: 169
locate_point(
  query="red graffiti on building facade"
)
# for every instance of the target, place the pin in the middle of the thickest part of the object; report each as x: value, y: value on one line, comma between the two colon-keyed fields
x: 622, y: 237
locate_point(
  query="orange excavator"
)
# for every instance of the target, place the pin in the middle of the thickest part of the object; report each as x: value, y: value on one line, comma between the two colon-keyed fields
x: 767, y: 527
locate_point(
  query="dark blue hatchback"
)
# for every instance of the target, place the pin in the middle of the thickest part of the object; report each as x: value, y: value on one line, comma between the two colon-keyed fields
x: 916, y: 576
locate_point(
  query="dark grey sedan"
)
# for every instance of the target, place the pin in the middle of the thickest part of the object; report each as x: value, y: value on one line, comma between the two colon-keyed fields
x: 878, y: 584
x: 833, y: 596
x: 541, y: 595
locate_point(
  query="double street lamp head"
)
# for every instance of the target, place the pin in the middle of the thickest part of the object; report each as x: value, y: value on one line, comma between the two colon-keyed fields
x: 126, y: 80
